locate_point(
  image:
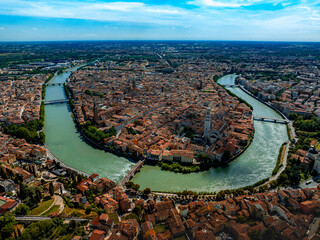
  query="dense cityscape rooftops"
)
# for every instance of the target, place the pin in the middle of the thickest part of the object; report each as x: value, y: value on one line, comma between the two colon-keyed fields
x: 155, y: 112
x: 21, y: 98
x: 161, y: 101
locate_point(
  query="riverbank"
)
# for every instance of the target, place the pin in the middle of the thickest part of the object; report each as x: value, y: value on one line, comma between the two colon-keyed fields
x: 259, y: 186
x: 290, y: 128
x: 50, y: 79
x: 65, y: 141
x: 264, y: 102
x: 282, y: 157
x: 252, y: 167
x: 256, y: 163
x: 62, y: 164
x: 63, y: 71
x: 177, y: 167
x: 91, y: 141
x: 95, y: 137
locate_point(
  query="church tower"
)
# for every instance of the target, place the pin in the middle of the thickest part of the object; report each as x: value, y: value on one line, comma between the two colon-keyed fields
x: 207, y: 123
x: 95, y: 112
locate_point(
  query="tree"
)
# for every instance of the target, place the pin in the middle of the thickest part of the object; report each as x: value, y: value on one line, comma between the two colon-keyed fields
x: 22, y: 209
x: 269, y: 234
x: 42, y: 137
x: 9, y: 194
x: 38, y: 195
x: 6, y: 226
x: 41, y: 230
x: 146, y: 191
x: 51, y: 189
x: 72, y: 224
x: 226, y: 156
x: 138, y: 211
x: 136, y: 187
x: 3, y: 173
x: 131, y: 131
x: 137, y: 122
x: 23, y: 132
x: 129, y: 184
x: 241, y: 219
x: 88, y: 210
x: 88, y: 92
x: 203, y: 158
x: 22, y: 191
x: 220, y: 196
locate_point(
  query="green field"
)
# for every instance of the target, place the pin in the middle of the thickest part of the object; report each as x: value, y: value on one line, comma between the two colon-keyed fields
x: 42, y: 207
x: 55, y: 208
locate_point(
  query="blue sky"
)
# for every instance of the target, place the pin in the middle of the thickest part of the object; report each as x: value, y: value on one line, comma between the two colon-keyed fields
x: 255, y: 20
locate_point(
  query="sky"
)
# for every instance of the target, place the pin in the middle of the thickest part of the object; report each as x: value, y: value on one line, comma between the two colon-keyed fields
x: 245, y: 20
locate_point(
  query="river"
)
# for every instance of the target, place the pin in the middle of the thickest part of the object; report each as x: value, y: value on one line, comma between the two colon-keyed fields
x: 256, y: 163
x: 66, y: 143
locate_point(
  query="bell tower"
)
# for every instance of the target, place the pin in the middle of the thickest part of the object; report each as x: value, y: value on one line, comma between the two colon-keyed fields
x: 207, y: 124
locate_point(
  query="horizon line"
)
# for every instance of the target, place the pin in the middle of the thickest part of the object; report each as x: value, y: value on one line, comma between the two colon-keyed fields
x: 156, y: 40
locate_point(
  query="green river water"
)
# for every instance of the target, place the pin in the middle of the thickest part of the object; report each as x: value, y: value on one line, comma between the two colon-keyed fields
x: 256, y: 163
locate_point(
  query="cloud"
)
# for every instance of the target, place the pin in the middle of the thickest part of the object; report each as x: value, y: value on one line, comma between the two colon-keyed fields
x: 34, y: 28
x: 212, y: 3
x: 116, y: 6
x: 192, y: 19
x: 166, y: 11
x: 111, y: 11
x: 238, y: 3
x: 1, y: 28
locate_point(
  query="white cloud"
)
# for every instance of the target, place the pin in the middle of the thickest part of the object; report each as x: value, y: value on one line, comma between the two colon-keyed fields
x: 166, y: 11
x: 225, y: 4
x: 111, y: 11
x: 212, y: 3
x: 236, y: 3
x: 212, y: 19
x: 1, y: 28
x: 34, y: 29
x: 116, y: 6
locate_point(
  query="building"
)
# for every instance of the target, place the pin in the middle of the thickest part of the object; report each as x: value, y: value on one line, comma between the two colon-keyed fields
x: 6, y: 186
x: 207, y: 124
x: 97, y: 235
x: 316, y: 165
x: 7, y: 204
x: 310, y: 206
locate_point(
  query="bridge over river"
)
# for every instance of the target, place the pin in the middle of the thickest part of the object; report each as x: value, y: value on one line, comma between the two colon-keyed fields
x: 131, y: 173
x: 231, y: 85
x: 56, y: 101
x: 54, y: 84
x: 268, y: 119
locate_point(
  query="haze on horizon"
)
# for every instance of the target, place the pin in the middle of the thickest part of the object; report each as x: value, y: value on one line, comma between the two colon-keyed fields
x: 253, y: 20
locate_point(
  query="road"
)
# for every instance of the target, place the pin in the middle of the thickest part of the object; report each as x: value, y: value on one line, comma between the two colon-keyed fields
x: 313, y: 184
x: 55, y: 74
x: 160, y: 56
x: 293, y: 131
x: 41, y: 218
x: 57, y: 201
x: 314, y: 227
x: 303, y: 184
